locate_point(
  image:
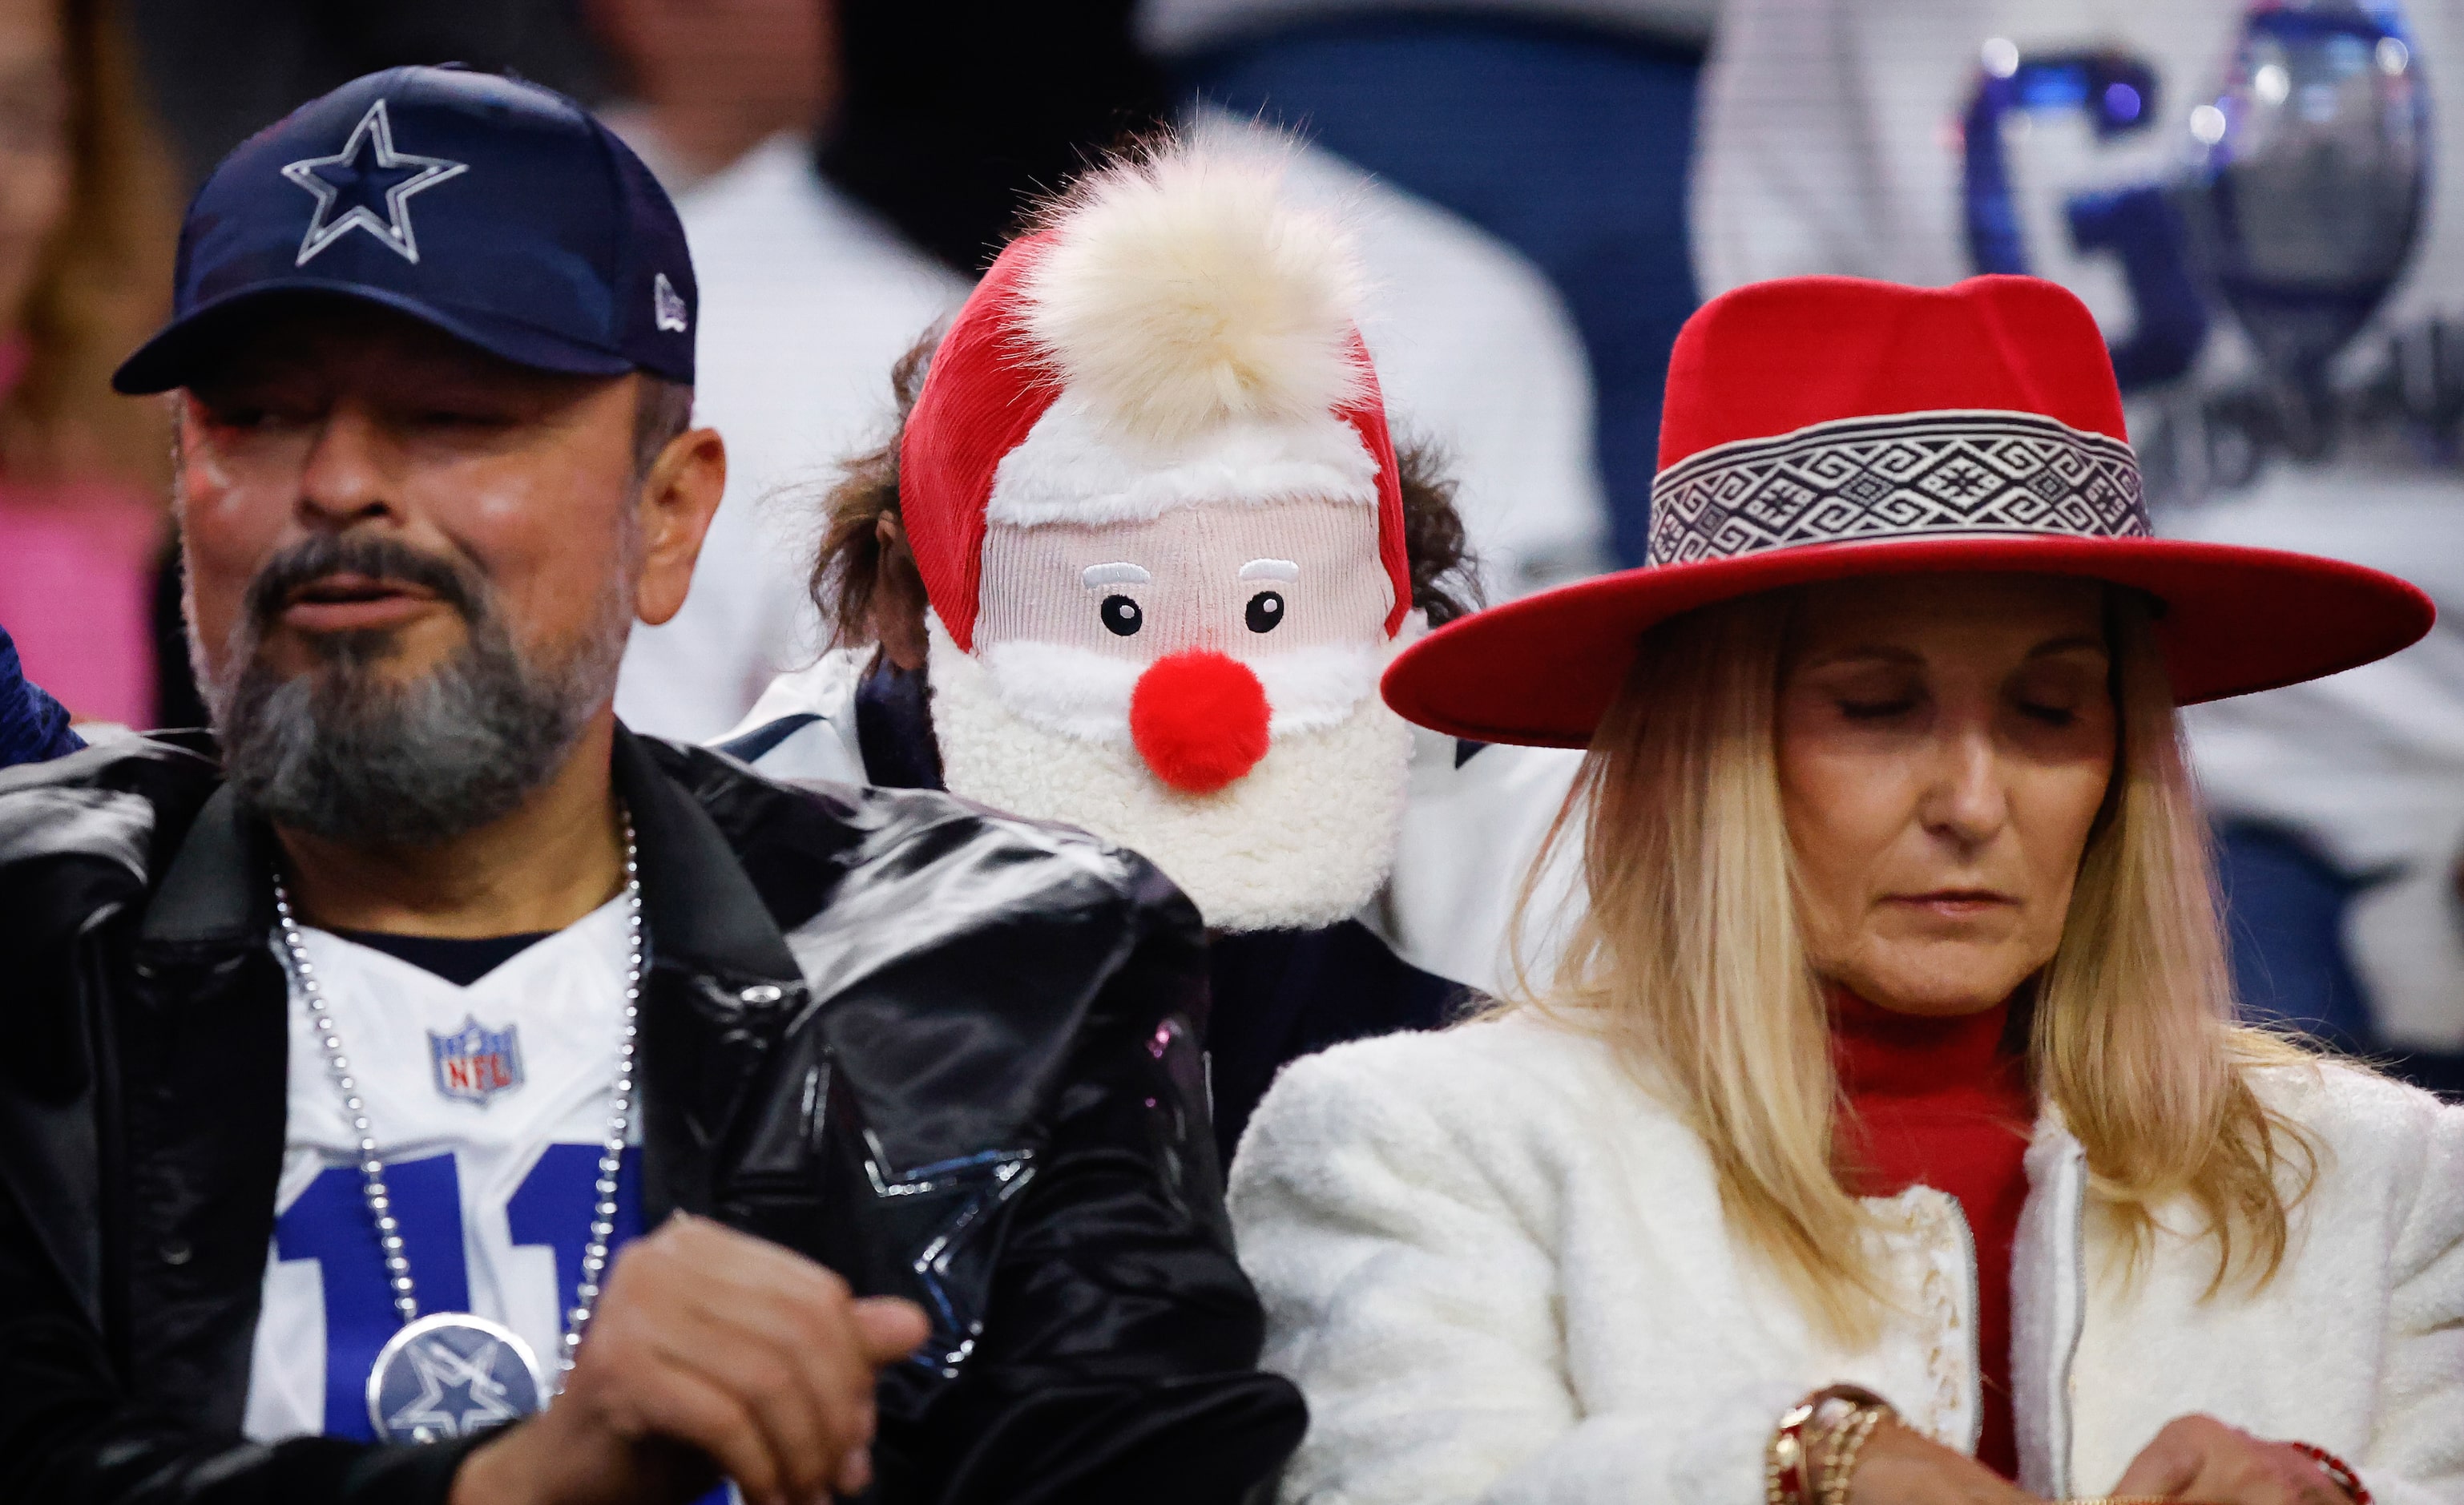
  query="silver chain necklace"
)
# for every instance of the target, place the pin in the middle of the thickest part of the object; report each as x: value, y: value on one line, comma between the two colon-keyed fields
x: 415, y: 1374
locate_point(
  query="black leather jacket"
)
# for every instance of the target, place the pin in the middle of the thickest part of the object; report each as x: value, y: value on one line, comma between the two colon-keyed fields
x: 1278, y: 994
x: 948, y: 1054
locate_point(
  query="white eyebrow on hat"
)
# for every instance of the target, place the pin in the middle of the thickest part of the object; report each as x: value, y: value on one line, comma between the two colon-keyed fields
x: 1283, y: 569
x: 1120, y: 574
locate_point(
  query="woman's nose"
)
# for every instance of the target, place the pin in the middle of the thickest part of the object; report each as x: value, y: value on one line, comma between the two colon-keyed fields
x: 1200, y: 720
x: 1967, y: 799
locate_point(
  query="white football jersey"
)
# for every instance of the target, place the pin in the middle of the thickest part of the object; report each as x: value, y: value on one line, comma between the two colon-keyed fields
x: 489, y: 1104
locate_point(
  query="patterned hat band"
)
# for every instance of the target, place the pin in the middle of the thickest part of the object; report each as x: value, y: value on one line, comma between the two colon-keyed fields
x: 1908, y: 475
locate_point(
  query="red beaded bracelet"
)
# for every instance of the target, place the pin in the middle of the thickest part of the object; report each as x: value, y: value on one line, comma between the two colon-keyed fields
x: 2338, y: 1469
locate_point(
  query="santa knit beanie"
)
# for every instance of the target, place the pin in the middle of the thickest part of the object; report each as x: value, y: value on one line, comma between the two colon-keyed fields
x: 1174, y: 333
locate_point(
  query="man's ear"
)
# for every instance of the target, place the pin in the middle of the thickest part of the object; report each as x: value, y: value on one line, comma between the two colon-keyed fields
x: 898, y: 598
x: 679, y: 495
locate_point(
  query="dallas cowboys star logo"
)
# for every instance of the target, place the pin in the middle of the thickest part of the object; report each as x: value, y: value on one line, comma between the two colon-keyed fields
x: 367, y: 170
x: 987, y: 1180
x: 441, y: 1371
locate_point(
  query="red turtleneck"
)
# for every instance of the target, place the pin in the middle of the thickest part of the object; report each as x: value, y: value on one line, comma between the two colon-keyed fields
x: 1938, y: 1102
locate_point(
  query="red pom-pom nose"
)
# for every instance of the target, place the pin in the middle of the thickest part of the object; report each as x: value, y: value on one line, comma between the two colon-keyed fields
x: 1199, y: 720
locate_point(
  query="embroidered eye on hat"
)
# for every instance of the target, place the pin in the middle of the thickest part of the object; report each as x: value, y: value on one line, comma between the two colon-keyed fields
x: 498, y: 212
x: 1827, y: 427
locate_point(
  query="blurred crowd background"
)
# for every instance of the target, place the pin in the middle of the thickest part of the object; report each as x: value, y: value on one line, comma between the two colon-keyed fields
x: 2262, y: 202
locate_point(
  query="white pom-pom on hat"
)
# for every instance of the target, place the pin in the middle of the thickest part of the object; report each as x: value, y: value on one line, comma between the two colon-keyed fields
x: 1175, y: 332
x: 1182, y: 291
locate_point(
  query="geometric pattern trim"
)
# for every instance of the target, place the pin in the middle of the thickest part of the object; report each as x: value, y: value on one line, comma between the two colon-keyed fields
x: 1911, y: 475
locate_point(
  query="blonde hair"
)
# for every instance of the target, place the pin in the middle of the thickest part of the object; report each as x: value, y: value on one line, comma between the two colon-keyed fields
x: 1689, y: 960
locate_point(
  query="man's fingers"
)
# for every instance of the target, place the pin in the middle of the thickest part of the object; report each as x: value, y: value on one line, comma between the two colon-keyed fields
x: 801, y: 1368
x: 752, y: 1353
x: 855, y: 1472
x: 716, y: 1247
x: 685, y: 1347
x: 889, y: 1328
x: 681, y: 1405
x: 804, y: 1441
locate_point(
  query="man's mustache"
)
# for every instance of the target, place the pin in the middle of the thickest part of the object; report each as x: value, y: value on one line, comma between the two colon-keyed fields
x: 370, y: 555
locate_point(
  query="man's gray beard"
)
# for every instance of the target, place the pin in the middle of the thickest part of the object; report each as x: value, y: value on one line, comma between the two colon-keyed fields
x: 341, y: 752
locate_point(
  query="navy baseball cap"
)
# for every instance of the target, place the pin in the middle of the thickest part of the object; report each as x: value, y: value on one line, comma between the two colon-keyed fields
x: 498, y: 212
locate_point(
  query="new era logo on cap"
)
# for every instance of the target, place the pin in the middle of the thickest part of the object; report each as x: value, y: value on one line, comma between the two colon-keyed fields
x: 366, y: 172
x: 500, y: 212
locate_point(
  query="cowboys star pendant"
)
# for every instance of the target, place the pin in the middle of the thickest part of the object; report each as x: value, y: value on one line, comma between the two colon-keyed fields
x: 450, y: 1375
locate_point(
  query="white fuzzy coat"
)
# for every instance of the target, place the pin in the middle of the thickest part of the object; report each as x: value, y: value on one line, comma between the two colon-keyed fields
x: 1501, y: 1273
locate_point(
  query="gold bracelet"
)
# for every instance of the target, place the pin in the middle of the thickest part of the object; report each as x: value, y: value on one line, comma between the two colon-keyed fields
x: 1839, y: 1460
x: 1797, y: 1440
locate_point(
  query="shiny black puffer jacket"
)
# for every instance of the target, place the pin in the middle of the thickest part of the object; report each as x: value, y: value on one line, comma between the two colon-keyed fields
x: 953, y: 1056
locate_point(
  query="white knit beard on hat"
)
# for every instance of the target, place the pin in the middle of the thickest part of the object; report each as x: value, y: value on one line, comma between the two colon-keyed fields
x: 1303, y: 840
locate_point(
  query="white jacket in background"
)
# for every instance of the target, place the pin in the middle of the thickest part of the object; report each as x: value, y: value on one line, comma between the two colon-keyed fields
x: 1500, y: 1271
x: 807, y: 299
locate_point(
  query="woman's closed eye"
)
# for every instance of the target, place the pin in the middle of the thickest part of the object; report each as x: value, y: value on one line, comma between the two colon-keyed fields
x: 1867, y: 691
x: 1883, y: 708
x: 2055, y: 691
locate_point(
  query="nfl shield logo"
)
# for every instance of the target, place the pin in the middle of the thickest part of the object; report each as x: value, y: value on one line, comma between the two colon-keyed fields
x: 474, y: 1062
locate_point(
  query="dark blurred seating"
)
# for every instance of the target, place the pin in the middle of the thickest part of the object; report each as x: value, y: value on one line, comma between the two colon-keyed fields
x: 222, y: 70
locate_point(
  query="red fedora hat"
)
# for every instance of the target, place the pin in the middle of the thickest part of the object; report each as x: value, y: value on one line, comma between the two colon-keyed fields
x: 1823, y: 428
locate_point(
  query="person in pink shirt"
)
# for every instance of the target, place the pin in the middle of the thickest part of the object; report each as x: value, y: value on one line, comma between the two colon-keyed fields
x: 84, y: 234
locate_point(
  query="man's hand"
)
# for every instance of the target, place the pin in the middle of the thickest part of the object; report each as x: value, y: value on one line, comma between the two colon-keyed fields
x: 2200, y: 1458
x: 712, y: 1351
x: 1901, y: 1467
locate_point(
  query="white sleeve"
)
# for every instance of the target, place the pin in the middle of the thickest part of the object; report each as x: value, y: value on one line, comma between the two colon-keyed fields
x: 1409, y: 1294
x: 2418, y: 1457
x: 1822, y: 140
x: 745, y: 620
x: 1471, y: 829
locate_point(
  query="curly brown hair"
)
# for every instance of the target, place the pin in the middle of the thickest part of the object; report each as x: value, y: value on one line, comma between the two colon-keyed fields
x: 865, y: 569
